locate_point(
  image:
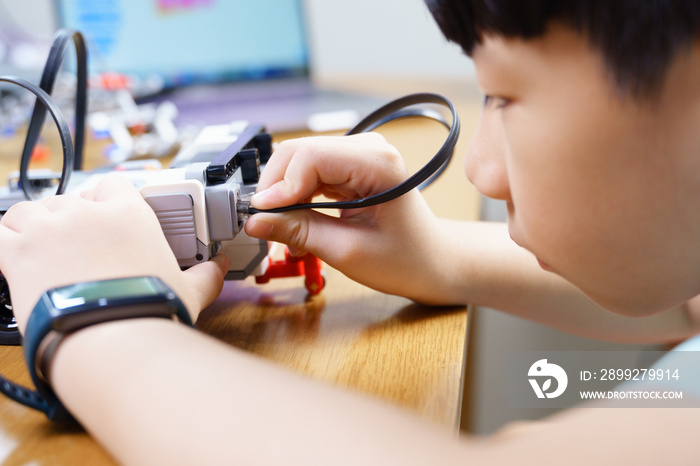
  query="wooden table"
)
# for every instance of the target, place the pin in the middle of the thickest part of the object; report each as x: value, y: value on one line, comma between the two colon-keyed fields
x: 384, y: 346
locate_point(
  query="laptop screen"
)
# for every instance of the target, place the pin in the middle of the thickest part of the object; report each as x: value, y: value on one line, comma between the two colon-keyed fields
x: 182, y: 42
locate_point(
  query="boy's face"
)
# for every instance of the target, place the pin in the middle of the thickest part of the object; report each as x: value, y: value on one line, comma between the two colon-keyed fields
x: 602, y: 189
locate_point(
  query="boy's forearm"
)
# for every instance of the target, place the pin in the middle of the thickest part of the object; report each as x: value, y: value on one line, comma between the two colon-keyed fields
x: 156, y: 392
x: 481, y: 265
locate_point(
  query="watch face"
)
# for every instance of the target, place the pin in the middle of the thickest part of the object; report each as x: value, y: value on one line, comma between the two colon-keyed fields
x: 102, y: 292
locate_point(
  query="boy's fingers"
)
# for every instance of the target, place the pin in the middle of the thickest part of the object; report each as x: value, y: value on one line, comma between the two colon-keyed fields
x: 208, y: 278
x: 308, y: 231
x: 335, y: 163
x: 6, y: 235
x: 59, y: 203
x: 88, y: 194
x: 277, y: 166
x: 19, y: 214
x: 111, y: 186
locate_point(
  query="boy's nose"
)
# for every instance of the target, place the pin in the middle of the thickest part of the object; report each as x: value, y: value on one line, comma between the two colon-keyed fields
x: 484, y: 163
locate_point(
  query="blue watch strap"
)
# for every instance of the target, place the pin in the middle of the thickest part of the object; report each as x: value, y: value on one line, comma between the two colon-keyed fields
x: 38, y: 326
x: 74, y: 314
x: 23, y: 395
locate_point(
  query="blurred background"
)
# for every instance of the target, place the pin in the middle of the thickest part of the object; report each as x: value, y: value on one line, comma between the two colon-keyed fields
x: 389, y: 37
x: 384, y: 48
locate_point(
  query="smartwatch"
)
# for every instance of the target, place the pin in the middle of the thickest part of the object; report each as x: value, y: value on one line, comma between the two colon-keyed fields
x: 64, y: 310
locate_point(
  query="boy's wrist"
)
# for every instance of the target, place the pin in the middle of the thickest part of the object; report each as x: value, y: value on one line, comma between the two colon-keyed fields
x: 66, y: 310
x: 90, y: 341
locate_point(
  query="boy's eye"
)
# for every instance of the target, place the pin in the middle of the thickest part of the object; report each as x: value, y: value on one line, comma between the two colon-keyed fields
x: 497, y: 102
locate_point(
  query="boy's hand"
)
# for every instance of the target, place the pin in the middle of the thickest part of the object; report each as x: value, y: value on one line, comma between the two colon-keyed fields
x: 108, y: 232
x: 379, y: 246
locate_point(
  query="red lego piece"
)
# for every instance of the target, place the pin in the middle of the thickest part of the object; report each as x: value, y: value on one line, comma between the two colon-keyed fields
x: 307, y: 265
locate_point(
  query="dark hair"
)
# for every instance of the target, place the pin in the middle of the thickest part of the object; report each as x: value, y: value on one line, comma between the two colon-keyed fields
x: 637, y: 38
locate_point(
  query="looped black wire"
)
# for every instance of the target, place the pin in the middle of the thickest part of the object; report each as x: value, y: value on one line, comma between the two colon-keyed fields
x: 74, y: 159
x: 417, y: 113
x: 372, y: 121
x: 63, y: 130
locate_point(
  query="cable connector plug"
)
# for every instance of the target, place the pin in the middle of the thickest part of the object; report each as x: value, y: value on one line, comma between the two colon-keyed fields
x: 243, y: 208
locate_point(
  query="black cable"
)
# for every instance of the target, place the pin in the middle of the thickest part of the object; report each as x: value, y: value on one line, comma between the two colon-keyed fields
x: 48, y: 79
x: 372, y: 121
x: 417, y: 113
x: 63, y: 130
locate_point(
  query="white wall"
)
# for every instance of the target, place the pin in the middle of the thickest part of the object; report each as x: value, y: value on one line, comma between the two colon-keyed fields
x: 36, y: 16
x: 391, y: 37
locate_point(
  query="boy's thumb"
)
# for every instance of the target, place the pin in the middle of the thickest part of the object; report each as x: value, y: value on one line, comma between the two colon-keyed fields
x: 291, y: 228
